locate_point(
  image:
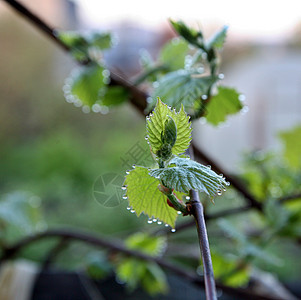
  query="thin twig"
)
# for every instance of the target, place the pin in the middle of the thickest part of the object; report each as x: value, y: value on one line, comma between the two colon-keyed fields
x: 234, y: 182
x: 198, y: 213
x: 290, y: 198
x: 117, y: 246
x: 54, y: 252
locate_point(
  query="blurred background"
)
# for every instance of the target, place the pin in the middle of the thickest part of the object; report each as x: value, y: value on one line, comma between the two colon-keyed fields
x: 52, y: 154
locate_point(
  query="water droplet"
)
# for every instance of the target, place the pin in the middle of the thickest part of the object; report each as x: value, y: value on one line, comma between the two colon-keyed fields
x: 244, y: 110
x: 204, y: 97
x: 149, y: 221
x: 219, y: 192
x: 178, y: 212
x: 173, y: 230
x: 127, y: 172
x: 128, y: 208
x: 132, y: 211
x: 77, y: 103
x: 146, y: 138
x: 187, y: 198
x: 227, y: 183
x: 147, y: 118
x: 166, y: 225
x: 155, y: 220
x: 159, y: 222
x: 123, y: 187
x: 70, y: 99
x: 124, y: 197
x: 96, y: 108
x: 203, y: 121
x: 241, y: 97
x: 86, y: 109
x: 209, y: 167
x: 106, y: 73
x: 104, y: 110
x: 133, y: 166
x: 221, y: 76
x: 156, y: 84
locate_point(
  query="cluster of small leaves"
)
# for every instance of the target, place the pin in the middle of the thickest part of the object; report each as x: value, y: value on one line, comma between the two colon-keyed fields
x: 135, y: 272
x: 186, y: 74
x: 169, y: 136
x: 87, y: 86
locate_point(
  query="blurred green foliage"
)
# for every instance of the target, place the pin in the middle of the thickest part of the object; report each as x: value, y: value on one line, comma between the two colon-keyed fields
x: 51, y: 154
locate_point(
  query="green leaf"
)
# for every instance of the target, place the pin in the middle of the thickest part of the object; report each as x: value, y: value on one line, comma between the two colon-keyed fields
x: 144, y: 196
x: 114, y: 95
x: 224, y: 103
x: 81, y: 43
x: 76, y: 42
x: 218, y: 40
x: 183, y: 87
x: 185, y: 174
x: 173, y: 54
x: 276, y: 215
x: 155, y: 126
x: 189, y: 34
x: 86, y: 85
x: 131, y: 270
x: 292, y: 145
x: 154, y: 280
x: 228, y: 270
x: 101, y: 41
x: 152, y: 245
x: 148, y: 274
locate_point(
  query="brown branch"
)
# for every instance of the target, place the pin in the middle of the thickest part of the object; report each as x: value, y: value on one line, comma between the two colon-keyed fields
x: 37, y: 22
x: 290, y: 198
x: 117, y: 246
x: 234, y: 182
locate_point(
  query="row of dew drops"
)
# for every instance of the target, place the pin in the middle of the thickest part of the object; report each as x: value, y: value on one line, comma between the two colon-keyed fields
x: 71, y: 98
x: 156, y: 220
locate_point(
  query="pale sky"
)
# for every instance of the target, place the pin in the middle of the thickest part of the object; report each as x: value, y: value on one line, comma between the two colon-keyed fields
x: 257, y: 19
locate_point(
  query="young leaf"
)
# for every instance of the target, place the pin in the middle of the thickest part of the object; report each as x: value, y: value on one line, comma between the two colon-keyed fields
x: 87, y: 84
x: 218, y: 40
x: 173, y: 54
x: 101, y: 41
x: 144, y: 196
x: 292, y: 145
x: 224, y: 103
x: 224, y: 266
x: 81, y: 43
x: 113, y: 96
x: 155, y: 127
x: 152, y: 245
x: 189, y: 34
x: 148, y: 274
x: 183, y: 87
x: 185, y: 174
